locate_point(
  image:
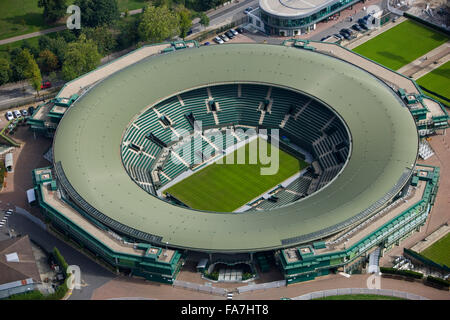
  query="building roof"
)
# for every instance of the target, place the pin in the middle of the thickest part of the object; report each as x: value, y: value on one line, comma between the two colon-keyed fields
x: 384, y: 147
x: 12, y: 270
x: 293, y: 8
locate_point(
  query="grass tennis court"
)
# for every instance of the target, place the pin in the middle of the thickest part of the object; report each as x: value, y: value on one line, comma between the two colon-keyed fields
x: 401, y: 44
x: 226, y: 187
x: 439, y: 251
x: 438, y: 81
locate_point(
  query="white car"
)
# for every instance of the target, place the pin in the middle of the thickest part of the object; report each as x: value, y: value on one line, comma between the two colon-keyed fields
x: 24, y: 112
x: 224, y: 38
x: 9, y: 212
x: 218, y: 40
x: 17, y: 113
x: 234, y: 32
x: 9, y: 116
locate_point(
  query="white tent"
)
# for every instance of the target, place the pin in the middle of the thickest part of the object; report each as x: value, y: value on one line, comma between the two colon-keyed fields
x: 31, y: 196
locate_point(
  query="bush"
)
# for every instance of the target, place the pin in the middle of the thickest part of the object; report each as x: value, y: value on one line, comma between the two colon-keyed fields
x: 59, y: 293
x: 247, y: 275
x: 213, y: 275
x: 438, y: 281
x: 406, y: 273
x: 60, y: 260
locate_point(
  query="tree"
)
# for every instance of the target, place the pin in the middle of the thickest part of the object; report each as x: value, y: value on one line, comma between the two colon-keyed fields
x: 5, y: 71
x: 56, y: 45
x: 53, y: 9
x: 204, y: 19
x: 81, y: 57
x: 184, y: 16
x: 158, y: 24
x: 47, y: 61
x: 98, y: 12
x: 103, y: 37
x: 25, y: 61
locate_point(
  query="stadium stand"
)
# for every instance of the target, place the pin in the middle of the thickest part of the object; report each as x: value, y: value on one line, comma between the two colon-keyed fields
x: 305, y: 121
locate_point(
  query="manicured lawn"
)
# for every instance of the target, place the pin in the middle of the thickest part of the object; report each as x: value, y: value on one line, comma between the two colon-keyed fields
x: 34, y: 42
x: 438, y: 81
x: 19, y: 17
x: 360, y: 297
x: 439, y: 252
x: 131, y: 4
x: 401, y: 44
x: 226, y: 187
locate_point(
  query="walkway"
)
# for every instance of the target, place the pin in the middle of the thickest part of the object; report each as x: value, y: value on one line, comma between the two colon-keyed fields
x: 426, y: 63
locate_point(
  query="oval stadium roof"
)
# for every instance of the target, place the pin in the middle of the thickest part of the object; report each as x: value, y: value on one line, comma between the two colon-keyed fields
x: 88, y: 161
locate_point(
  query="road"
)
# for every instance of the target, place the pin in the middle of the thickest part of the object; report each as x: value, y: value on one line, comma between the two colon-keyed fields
x: 93, y: 275
x: 226, y: 14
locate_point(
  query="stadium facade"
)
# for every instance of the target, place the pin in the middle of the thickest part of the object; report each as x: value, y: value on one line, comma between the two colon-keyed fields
x: 362, y: 135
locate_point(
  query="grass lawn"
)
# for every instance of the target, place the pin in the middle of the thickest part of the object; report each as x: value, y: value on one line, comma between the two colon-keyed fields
x: 439, y: 251
x: 401, y: 44
x: 20, y: 17
x: 360, y: 297
x: 131, y: 4
x: 226, y: 187
x: 34, y: 42
x: 438, y: 81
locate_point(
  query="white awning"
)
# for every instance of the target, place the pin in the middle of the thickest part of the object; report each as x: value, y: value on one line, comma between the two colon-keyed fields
x: 31, y: 195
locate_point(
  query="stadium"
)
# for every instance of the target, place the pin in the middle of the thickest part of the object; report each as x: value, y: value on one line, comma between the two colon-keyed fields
x: 123, y: 186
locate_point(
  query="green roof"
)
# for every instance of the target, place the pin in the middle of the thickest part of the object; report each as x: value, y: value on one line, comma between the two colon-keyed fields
x: 384, y: 147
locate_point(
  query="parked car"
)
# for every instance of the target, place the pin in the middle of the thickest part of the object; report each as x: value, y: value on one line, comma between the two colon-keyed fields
x: 247, y: 10
x: 338, y: 36
x: 17, y: 113
x: 224, y: 38
x: 240, y: 30
x: 189, y: 32
x: 345, y: 35
x: 24, y: 113
x: 9, y: 115
x: 30, y: 110
x: 363, y: 26
x: 229, y: 34
x: 344, y: 31
x: 218, y: 40
x: 206, y: 43
x: 234, y: 32
x: 46, y: 85
x: 356, y: 27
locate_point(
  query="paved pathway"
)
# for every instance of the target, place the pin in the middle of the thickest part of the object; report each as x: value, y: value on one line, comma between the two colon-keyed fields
x: 32, y: 35
x: 425, y: 63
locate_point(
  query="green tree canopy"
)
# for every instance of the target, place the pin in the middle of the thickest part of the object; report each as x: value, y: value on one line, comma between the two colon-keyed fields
x: 158, y: 24
x: 185, y: 18
x: 5, y: 71
x: 53, y: 9
x: 204, y: 19
x: 47, y: 61
x: 81, y: 57
x: 102, y: 36
x: 25, y: 61
x: 98, y: 12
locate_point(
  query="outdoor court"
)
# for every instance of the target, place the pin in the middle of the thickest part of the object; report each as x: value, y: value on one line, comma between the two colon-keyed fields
x: 401, y: 44
x: 226, y: 187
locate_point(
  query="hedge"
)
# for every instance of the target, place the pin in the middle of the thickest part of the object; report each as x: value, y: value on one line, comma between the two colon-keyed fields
x: 60, y: 260
x: 406, y: 273
x: 438, y: 281
x: 59, y: 293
